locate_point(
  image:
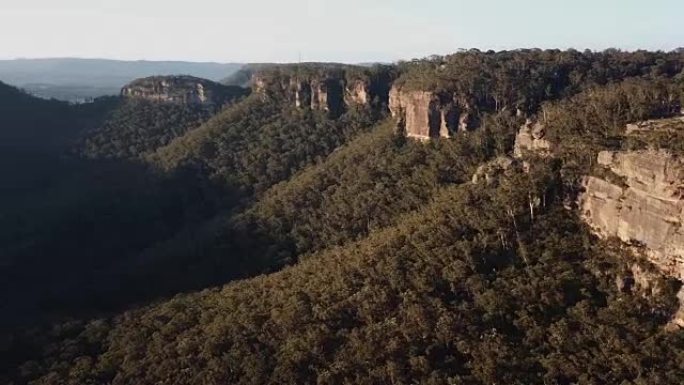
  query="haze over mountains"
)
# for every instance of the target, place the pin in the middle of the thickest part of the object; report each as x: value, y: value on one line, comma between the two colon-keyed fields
x: 77, y: 80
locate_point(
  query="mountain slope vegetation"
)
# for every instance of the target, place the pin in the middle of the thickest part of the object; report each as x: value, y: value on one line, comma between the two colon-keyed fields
x: 104, y: 205
x: 258, y: 143
x: 459, y: 292
x: 374, y: 258
x: 368, y: 183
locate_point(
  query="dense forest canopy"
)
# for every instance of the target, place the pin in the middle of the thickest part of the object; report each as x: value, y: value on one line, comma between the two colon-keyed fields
x: 523, y: 79
x: 317, y: 248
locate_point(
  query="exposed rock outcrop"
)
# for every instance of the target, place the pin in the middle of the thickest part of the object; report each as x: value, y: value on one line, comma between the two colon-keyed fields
x: 640, y: 201
x: 326, y: 89
x: 328, y: 95
x: 639, y: 280
x: 357, y: 92
x: 489, y: 171
x: 181, y: 90
x: 259, y: 84
x: 417, y: 113
x: 648, y: 282
x: 531, y: 138
x: 425, y: 115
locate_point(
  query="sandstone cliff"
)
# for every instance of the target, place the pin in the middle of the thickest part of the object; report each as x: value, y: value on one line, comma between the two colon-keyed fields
x: 424, y: 114
x: 181, y: 90
x: 640, y: 201
x: 357, y: 92
x: 333, y: 89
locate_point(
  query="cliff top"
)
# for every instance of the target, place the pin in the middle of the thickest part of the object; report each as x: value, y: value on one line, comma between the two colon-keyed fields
x: 172, y: 83
x: 523, y: 79
x: 308, y: 71
x: 181, y: 89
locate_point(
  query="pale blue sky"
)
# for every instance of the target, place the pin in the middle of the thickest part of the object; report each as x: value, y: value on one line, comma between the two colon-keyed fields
x: 327, y: 30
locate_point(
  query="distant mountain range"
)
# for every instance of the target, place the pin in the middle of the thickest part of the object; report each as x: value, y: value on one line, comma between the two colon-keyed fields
x: 78, y: 80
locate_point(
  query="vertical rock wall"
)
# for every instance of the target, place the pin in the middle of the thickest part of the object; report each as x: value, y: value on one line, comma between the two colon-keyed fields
x: 425, y: 115
x: 642, y: 205
x: 330, y: 93
x: 645, y: 207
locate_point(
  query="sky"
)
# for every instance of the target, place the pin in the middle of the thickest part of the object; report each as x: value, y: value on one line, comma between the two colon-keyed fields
x: 325, y: 30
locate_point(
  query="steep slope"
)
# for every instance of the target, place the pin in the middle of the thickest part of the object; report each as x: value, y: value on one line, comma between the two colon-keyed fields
x: 363, y: 186
x: 154, y: 111
x: 243, y: 76
x: 261, y: 142
x: 639, y: 202
x: 402, y: 270
x: 93, y: 217
x: 468, y: 289
x: 245, y: 150
x: 34, y: 133
x: 29, y: 122
x: 369, y: 184
x: 137, y: 127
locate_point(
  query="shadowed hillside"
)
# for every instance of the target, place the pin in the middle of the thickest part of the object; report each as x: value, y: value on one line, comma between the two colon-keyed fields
x: 419, y: 223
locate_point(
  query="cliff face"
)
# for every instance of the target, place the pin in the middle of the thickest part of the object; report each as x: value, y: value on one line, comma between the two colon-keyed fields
x: 425, y: 115
x: 181, y: 90
x: 331, y: 91
x: 357, y: 92
x: 327, y: 95
x: 643, y: 205
x: 417, y: 112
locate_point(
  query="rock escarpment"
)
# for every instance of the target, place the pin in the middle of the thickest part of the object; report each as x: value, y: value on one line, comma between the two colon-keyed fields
x: 425, y: 114
x: 318, y: 87
x: 181, y: 90
x: 641, y: 202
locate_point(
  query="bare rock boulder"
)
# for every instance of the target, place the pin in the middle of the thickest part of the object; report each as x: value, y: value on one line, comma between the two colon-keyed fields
x: 532, y: 138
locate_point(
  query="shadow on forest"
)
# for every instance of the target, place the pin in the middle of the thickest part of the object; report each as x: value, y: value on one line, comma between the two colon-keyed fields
x: 73, y: 232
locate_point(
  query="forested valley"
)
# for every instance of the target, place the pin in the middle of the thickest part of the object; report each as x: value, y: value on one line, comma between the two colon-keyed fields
x: 297, y: 233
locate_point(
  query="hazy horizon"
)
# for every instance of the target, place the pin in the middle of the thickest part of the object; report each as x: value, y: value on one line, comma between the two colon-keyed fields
x: 321, y: 61
x: 354, y: 31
